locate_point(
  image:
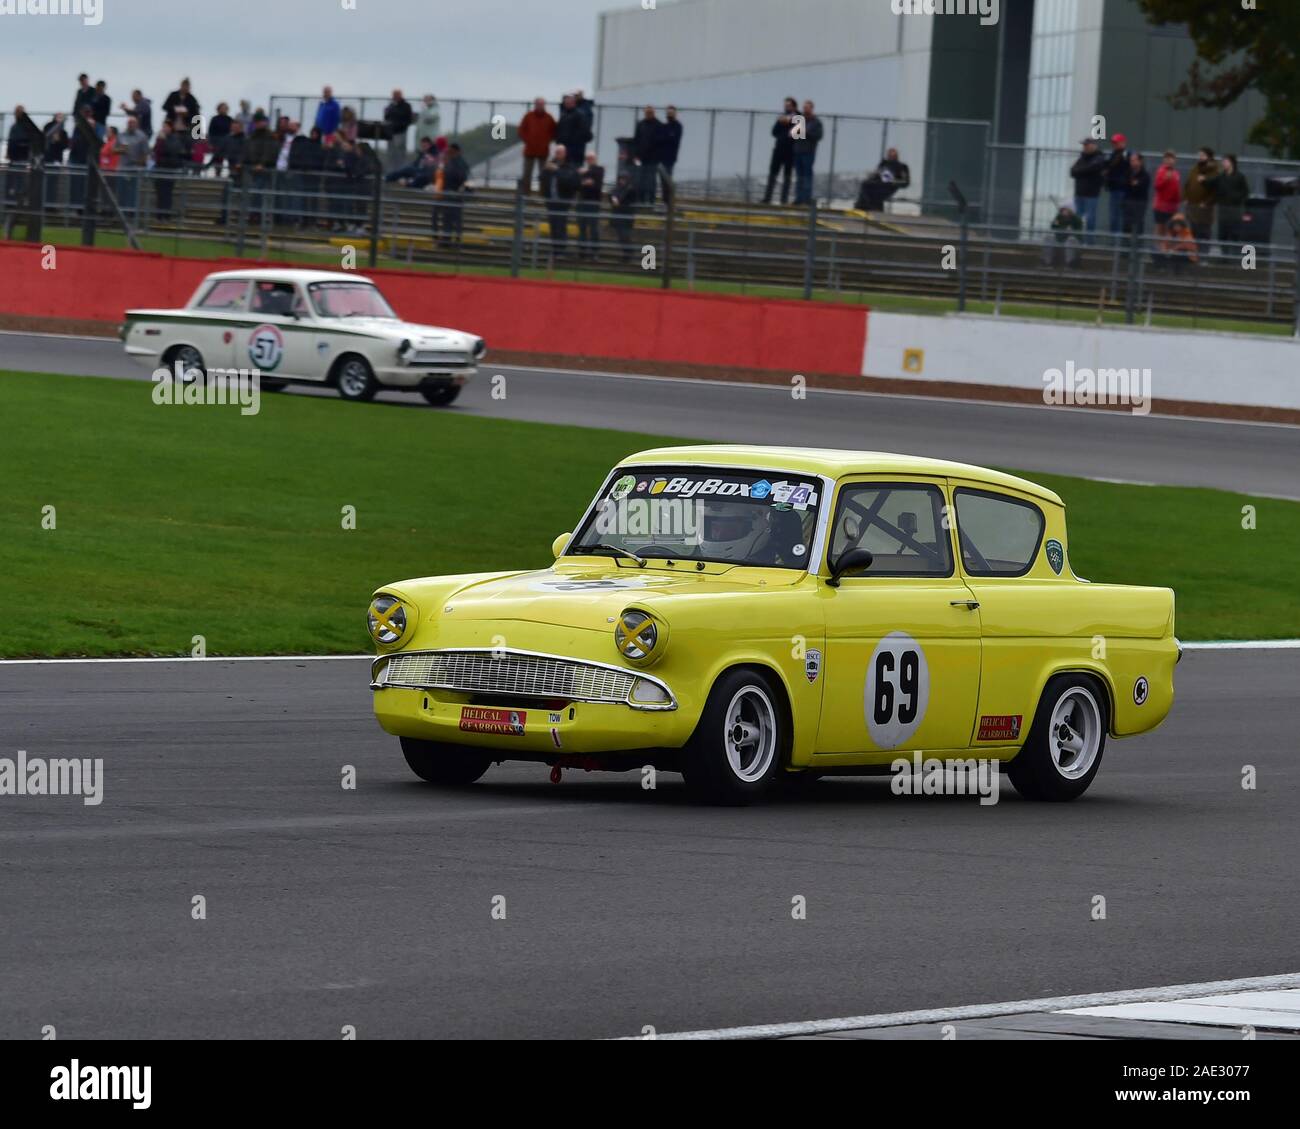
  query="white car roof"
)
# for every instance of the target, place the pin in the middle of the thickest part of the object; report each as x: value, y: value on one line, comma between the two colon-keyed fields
x: 300, y: 276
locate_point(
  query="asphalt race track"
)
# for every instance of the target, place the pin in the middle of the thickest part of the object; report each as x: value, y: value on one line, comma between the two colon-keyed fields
x: 624, y: 907
x: 1256, y: 459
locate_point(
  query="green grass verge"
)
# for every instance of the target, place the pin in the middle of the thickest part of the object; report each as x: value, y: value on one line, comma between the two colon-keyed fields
x: 877, y: 300
x: 174, y: 522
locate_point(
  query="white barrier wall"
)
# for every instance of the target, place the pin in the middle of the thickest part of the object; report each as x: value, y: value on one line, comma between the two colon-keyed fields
x: 1252, y: 370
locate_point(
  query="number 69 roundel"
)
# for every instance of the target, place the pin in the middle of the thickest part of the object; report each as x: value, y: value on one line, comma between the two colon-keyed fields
x: 898, y: 690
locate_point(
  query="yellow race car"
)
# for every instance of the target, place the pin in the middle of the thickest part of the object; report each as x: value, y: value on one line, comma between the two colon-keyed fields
x: 748, y: 615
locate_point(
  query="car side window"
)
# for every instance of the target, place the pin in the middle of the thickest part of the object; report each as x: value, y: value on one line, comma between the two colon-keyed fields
x: 901, y: 523
x: 999, y: 535
x: 274, y: 298
x: 226, y: 294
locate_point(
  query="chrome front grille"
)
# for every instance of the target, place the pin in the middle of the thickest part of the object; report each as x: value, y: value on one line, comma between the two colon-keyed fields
x: 510, y: 673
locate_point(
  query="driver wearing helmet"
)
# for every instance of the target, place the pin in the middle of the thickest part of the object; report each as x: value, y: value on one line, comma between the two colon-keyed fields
x: 756, y: 534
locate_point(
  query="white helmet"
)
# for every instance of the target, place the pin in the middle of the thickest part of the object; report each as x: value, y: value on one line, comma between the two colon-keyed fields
x: 731, y: 532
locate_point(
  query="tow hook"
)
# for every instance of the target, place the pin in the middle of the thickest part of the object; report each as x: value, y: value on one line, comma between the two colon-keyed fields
x: 556, y: 773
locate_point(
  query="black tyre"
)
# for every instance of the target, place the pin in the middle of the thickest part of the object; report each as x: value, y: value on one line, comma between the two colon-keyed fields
x: 1063, y: 751
x: 355, y: 379
x: 741, y: 743
x: 270, y: 384
x: 444, y: 764
x: 441, y: 397
x: 190, y: 360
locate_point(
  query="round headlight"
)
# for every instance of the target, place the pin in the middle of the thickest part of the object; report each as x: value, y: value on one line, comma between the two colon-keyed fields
x: 386, y: 619
x: 636, y: 635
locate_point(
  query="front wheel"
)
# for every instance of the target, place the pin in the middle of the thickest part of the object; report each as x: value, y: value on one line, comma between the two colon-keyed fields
x: 1063, y: 751
x: 740, y: 743
x: 441, y: 397
x: 444, y: 764
x: 355, y: 379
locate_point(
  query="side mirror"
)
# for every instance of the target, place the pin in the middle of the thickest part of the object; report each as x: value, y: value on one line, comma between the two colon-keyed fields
x: 853, y: 560
x: 557, y: 546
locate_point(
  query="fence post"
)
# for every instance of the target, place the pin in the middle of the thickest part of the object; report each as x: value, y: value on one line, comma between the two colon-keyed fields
x: 242, y: 225
x: 1130, y: 298
x: 830, y: 176
x: 669, y: 223
x: 487, y: 172
x: 749, y: 156
x: 708, y: 173
x: 376, y: 206
x: 810, y: 251
x: 517, y: 243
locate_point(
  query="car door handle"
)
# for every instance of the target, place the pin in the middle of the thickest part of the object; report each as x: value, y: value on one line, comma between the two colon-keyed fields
x: 970, y: 605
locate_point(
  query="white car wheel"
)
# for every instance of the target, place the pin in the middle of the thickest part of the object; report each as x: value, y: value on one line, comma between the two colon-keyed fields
x: 355, y: 379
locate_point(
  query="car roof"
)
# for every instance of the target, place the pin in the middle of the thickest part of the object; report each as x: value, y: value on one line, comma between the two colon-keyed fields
x: 288, y: 275
x: 835, y: 464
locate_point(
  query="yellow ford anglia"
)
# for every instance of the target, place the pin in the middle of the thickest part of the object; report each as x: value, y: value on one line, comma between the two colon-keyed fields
x: 752, y: 615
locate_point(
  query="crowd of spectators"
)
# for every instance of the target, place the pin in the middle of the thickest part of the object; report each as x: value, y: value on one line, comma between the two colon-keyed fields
x: 1186, y: 211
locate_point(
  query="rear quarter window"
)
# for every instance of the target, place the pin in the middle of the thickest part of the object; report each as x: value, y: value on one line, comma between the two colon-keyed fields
x: 999, y: 535
x: 225, y: 294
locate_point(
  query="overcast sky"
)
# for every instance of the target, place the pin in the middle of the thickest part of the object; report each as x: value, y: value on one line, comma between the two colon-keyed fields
x: 232, y: 49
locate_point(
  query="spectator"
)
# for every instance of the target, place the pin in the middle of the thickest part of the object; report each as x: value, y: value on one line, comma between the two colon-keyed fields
x: 79, y: 155
x: 245, y: 116
x: 18, y: 152
x: 218, y: 131
x: 586, y: 107
x: 806, y: 140
x: 55, y: 146
x: 168, y: 157
x: 231, y: 155
x: 100, y: 107
x: 349, y: 125
x: 670, y: 145
x: 559, y: 186
x: 1067, y: 231
x: 398, y: 117
x: 1232, y: 194
x: 1116, y: 179
x: 181, y: 101
x: 141, y: 109
x: 1199, y: 191
x: 287, y: 209
x: 572, y: 131
x: 84, y: 97
x: 342, y: 172
x: 260, y: 154
x: 646, y: 147
x: 110, y: 156
x: 306, y: 159
x: 135, y: 159
x: 890, y: 177
x: 1088, y: 172
x: 419, y: 173
x: 536, y: 131
x: 1168, y: 192
x: 591, y: 187
x: 185, y: 138
x: 622, y: 206
x: 1137, y: 195
x: 328, y: 115
x: 1179, y: 246
x: 451, y: 201
x: 426, y: 125
x: 782, y: 153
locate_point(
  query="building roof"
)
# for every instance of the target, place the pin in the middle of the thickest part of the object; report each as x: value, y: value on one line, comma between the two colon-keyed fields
x: 834, y: 464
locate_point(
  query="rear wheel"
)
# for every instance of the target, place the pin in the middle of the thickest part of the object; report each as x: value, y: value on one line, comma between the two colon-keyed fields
x: 444, y: 764
x: 190, y: 360
x: 740, y: 743
x: 1063, y: 751
x: 355, y: 379
x: 441, y: 397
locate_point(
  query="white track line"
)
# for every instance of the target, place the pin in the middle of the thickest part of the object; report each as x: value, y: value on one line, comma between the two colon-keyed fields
x: 1230, y: 645
x: 986, y: 1011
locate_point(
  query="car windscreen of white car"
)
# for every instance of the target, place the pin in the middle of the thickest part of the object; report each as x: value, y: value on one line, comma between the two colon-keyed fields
x: 704, y: 514
x: 349, y: 300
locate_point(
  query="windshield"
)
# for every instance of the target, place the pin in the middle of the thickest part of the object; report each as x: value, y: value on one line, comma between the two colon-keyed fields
x: 701, y: 514
x: 349, y: 300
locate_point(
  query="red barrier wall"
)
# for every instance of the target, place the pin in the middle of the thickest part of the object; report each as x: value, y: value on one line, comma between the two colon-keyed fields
x: 510, y: 314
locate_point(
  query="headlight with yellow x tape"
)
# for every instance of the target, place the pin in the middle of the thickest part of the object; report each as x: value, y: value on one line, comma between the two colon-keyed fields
x: 639, y: 637
x: 387, y: 620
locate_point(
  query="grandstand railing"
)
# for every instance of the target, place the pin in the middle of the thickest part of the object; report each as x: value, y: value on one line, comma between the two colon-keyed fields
x: 818, y: 252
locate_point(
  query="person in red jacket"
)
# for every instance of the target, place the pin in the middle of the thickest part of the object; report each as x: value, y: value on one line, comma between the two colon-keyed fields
x: 1168, y: 193
x: 536, y: 131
